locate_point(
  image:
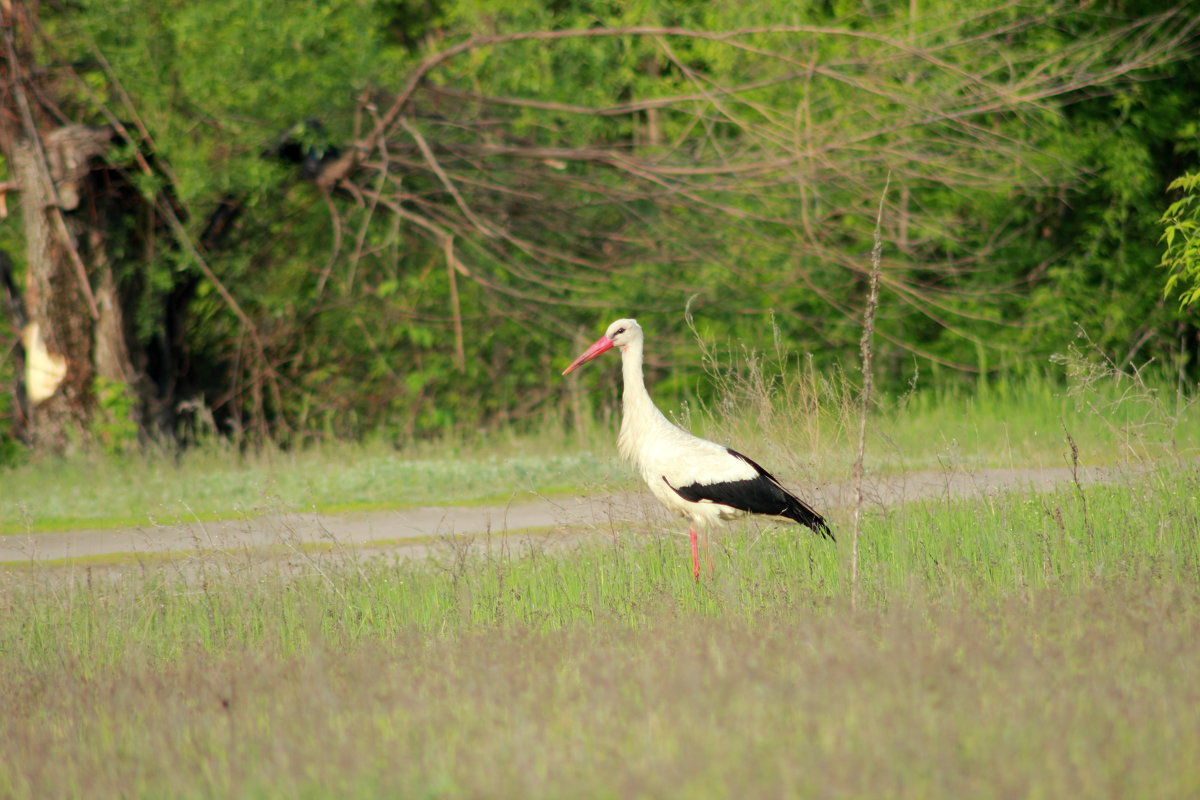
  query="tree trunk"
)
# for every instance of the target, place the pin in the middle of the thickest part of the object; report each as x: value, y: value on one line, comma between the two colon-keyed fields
x: 76, y: 329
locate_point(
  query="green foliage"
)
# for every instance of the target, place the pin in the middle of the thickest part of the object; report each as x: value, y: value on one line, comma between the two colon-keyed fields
x: 1099, y: 248
x: 1000, y: 240
x: 1181, y: 235
x: 12, y: 452
x: 216, y: 83
x: 114, y: 425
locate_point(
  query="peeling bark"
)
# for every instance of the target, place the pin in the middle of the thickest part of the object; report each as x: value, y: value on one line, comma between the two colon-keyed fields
x: 59, y: 299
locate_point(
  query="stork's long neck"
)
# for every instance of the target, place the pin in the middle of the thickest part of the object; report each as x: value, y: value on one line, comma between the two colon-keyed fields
x: 638, y: 413
x: 635, y: 398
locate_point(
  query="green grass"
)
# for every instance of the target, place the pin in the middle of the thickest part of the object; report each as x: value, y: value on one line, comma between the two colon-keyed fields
x: 1023, y: 645
x: 990, y: 547
x: 213, y: 482
x: 1020, y: 644
x: 800, y: 424
x: 806, y: 422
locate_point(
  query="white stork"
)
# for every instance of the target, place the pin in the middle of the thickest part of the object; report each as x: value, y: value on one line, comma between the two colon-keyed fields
x: 698, y: 479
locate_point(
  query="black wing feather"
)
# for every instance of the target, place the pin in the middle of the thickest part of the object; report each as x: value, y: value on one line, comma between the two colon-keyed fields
x: 759, y: 495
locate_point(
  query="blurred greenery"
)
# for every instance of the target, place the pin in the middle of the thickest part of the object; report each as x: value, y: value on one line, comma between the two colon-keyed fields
x: 1006, y: 235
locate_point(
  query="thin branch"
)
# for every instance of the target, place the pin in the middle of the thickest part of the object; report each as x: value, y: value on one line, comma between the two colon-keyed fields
x: 621, y: 109
x: 451, y: 271
x: 338, y: 170
x: 486, y: 230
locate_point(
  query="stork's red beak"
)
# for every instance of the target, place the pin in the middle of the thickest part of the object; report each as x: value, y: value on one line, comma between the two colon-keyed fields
x: 602, y: 344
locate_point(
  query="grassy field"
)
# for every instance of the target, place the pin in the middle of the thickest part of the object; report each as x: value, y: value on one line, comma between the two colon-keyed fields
x: 802, y: 425
x: 213, y: 482
x: 1024, y: 645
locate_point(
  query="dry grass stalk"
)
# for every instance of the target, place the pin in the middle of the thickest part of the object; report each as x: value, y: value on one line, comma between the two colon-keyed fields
x: 867, y: 351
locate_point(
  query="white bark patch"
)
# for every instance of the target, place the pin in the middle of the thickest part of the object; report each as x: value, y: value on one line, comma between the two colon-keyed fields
x: 44, y: 371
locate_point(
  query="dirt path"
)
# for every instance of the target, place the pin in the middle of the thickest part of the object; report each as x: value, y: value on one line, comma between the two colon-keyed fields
x: 414, y: 531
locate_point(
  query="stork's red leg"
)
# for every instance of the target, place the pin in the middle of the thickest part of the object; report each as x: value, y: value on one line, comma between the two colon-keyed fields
x: 695, y: 553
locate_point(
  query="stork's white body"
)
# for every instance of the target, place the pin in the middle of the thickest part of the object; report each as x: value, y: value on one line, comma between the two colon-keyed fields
x: 658, y: 449
x: 698, y: 479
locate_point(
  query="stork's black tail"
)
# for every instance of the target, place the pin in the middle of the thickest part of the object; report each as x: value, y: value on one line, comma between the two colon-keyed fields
x: 799, y: 511
x: 793, y: 507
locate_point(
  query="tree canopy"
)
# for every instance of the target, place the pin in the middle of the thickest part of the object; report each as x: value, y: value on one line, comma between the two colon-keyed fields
x: 369, y: 215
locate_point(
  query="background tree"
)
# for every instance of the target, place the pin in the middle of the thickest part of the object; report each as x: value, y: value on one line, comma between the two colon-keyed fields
x: 79, y: 231
x: 462, y: 187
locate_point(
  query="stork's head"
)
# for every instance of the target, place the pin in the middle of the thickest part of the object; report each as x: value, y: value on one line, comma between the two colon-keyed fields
x: 621, y: 333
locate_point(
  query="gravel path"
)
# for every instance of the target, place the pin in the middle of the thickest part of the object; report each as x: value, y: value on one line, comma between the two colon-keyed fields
x: 415, y: 531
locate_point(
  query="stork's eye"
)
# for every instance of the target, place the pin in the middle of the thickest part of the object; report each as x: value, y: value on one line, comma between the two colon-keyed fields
x: 619, y: 331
